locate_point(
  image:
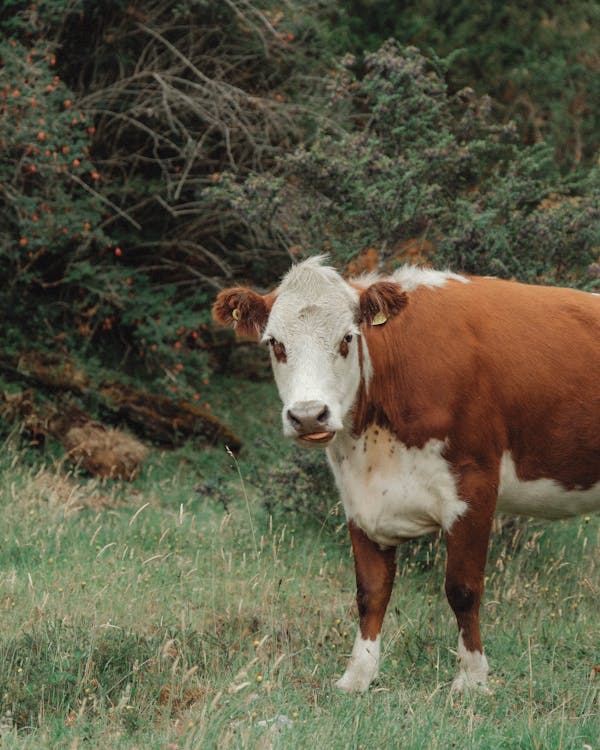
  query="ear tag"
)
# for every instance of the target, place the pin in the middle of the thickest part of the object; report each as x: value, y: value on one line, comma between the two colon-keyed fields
x: 235, y: 314
x: 379, y: 319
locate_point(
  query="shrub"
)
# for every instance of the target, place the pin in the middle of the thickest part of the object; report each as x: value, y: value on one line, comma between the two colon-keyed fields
x: 51, y: 212
x: 537, y: 60
x: 167, y: 96
x: 175, y: 146
x: 419, y: 165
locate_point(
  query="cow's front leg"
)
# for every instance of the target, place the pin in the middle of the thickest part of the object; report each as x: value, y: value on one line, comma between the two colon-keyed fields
x: 467, y: 545
x: 375, y: 570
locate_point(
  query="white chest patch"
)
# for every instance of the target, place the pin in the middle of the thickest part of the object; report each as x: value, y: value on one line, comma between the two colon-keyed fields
x: 542, y: 498
x: 393, y: 492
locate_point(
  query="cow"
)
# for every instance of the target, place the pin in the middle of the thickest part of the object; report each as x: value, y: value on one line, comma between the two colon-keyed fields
x: 440, y: 398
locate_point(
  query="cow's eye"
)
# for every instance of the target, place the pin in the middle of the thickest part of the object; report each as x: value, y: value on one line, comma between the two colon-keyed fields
x: 278, y: 349
x: 345, y: 345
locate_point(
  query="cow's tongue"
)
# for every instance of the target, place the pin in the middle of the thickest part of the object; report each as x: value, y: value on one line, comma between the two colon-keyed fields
x: 317, y: 437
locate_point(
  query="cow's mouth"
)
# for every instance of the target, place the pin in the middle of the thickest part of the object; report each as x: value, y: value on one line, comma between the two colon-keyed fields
x: 317, y: 438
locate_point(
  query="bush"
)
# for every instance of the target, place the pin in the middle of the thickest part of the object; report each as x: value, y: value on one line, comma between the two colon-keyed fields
x: 166, y: 97
x: 174, y: 147
x: 417, y: 165
x: 537, y: 60
x: 51, y: 212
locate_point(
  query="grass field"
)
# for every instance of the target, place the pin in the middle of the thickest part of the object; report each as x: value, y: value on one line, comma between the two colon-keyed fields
x: 211, y: 603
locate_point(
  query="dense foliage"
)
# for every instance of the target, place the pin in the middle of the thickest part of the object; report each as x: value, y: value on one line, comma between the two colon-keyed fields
x: 104, y: 234
x: 51, y: 231
x: 417, y: 168
x: 538, y: 61
x: 156, y: 151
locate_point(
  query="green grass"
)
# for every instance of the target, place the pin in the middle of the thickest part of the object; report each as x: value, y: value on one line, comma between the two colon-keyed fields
x: 191, y: 609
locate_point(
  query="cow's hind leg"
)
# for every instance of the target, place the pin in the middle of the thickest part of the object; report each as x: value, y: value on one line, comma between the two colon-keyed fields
x: 375, y: 570
x: 467, y: 545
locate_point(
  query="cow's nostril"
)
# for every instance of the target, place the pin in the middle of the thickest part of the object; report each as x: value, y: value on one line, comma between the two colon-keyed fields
x: 323, y: 414
x: 307, y: 417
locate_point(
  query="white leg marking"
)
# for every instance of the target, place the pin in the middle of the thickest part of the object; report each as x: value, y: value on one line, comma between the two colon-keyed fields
x: 363, y: 666
x: 473, y: 669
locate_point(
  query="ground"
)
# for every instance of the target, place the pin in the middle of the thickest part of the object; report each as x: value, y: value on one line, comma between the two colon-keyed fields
x: 211, y: 603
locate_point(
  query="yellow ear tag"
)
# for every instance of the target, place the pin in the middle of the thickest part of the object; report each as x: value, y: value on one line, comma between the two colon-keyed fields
x: 235, y: 314
x: 379, y: 319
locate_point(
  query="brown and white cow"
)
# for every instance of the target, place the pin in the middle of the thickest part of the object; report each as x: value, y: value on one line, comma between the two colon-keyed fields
x: 440, y: 398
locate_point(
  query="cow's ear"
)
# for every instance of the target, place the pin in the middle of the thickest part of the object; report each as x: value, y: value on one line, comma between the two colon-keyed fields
x: 380, y: 302
x: 243, y: 309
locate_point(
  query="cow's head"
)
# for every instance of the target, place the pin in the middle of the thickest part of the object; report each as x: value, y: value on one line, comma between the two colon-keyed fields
x: 311, y: 324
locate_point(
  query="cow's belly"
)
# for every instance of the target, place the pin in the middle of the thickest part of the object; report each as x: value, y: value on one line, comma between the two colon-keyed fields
x: 393, y: 492
x: 542, y: 498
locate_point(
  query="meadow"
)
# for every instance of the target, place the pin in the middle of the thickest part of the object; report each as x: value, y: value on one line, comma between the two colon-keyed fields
x: 210, y: 603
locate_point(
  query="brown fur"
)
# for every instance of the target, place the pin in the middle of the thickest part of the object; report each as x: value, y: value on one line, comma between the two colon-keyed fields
x: 253, y: 310
x: 493, y: 366
x: 375, y: 571
x: 384, y: 297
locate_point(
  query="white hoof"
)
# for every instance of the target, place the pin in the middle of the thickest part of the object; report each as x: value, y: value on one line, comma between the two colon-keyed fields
x: 463, y: 682
x: 363, y: 666
x: 351, y: 682
x: 473, y: 671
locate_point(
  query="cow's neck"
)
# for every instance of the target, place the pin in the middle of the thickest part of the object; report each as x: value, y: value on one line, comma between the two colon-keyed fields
x: 366, y: 411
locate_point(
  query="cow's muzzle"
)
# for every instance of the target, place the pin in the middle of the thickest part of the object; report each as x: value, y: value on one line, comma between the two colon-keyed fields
x: 310, y: 420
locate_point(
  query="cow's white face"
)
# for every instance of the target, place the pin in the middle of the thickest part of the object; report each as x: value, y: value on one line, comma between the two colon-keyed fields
x: 312, y: 332
x: 311, y: 324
